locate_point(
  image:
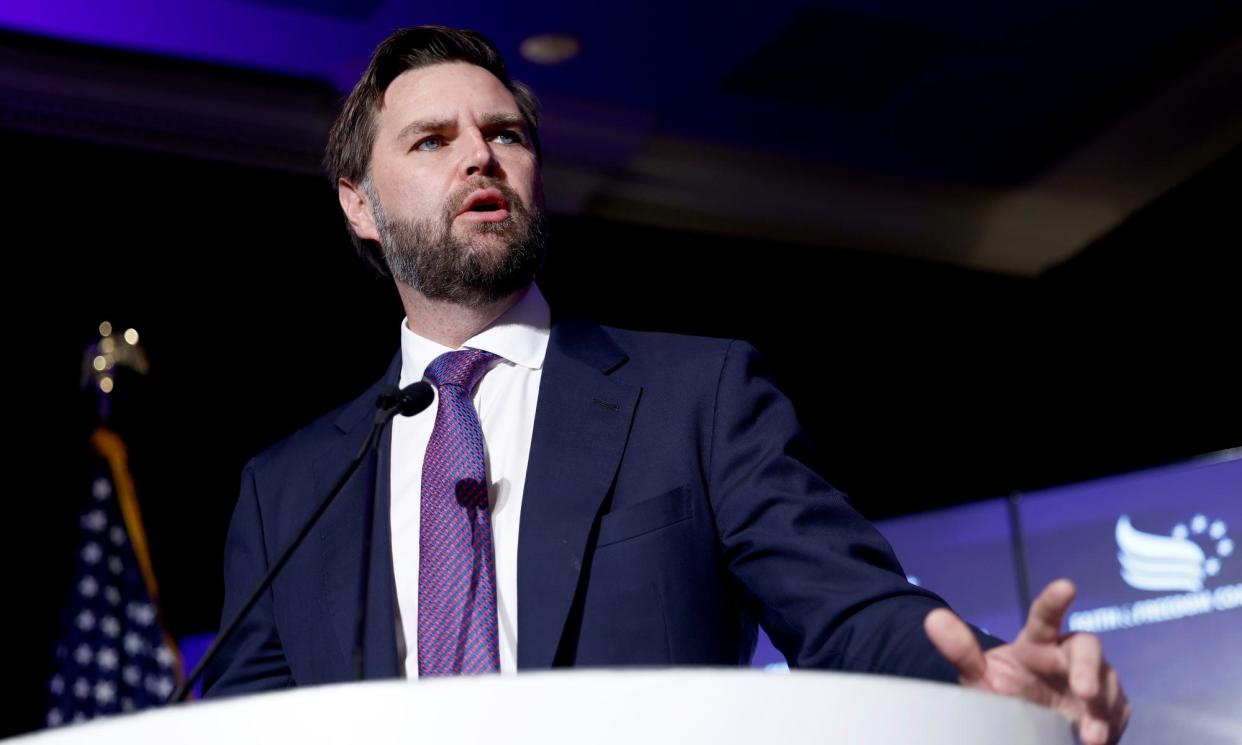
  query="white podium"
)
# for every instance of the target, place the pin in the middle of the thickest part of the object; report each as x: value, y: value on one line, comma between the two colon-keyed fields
x: 575, y: 707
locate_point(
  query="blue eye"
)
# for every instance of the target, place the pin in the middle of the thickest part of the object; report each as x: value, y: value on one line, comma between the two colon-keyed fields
x: 508, y: 137
x: 429, y: 144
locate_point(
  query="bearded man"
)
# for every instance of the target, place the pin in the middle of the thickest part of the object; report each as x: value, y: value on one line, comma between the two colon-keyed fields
x: 577, y: 495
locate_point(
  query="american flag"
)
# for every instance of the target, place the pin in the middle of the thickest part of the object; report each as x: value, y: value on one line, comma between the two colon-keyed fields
x: 113, y: 655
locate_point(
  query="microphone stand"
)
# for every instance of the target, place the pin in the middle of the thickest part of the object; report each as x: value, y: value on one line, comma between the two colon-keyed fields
x: 407, y: 402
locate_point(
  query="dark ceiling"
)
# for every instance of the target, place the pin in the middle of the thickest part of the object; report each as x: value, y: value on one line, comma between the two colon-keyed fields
x: 998, y: 136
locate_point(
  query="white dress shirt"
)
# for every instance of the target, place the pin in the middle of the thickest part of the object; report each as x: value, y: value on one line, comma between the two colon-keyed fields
x: 505, y: 400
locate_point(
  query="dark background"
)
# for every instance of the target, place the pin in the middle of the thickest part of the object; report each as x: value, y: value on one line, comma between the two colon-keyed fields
x: 923, y: 384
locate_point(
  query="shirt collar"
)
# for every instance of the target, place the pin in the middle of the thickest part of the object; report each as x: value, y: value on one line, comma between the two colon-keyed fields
x: 519, y: 336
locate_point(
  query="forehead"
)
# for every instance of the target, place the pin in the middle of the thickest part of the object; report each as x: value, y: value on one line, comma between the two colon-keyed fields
x: 447, y: 90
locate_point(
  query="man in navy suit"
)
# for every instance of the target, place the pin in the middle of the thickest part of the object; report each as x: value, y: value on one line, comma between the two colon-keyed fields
x: 660, y: 484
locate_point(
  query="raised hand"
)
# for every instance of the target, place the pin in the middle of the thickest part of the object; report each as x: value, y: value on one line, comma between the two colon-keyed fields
x: 1065, y: 672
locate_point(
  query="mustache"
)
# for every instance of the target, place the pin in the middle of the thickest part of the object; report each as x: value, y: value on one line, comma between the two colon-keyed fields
x: 459, y: 196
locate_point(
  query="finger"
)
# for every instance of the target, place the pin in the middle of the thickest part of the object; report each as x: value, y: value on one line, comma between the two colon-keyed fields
x: 1114, y: 697
x: 1043, y: 623
x: 957, y: 643
x: 1108, y: 714
x: 1118, y: 706
x: 1084, y: 660
x: 1093, y: 731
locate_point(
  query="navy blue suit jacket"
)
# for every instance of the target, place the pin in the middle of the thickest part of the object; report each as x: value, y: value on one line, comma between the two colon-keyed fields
x: 669, y: 505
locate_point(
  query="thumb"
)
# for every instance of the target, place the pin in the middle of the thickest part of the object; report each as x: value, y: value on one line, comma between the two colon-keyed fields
x: 954, y: 639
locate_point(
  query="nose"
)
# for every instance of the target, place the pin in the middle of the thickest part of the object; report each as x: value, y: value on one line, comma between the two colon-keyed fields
x: 479, y: 158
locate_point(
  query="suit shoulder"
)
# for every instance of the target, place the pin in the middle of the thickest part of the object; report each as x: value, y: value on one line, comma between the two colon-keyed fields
x: 297, y: 449
x: 669, y: 346
x: 665, y: 340
x: 694, y: 360
x: 297, y: 443
x: 678, y: 351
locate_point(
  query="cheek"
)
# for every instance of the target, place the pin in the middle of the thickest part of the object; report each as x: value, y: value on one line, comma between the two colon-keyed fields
x: 417, y: 192
x: 524, y: 178
x: 421, y: 202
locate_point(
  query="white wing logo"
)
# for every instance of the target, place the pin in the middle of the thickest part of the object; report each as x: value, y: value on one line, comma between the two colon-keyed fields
x: 1150, y: 561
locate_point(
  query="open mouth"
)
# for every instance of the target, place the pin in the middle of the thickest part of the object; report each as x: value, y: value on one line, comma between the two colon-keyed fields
x: 485, y: 200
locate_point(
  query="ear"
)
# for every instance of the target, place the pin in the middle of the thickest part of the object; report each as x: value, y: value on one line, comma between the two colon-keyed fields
x: 357, y: 208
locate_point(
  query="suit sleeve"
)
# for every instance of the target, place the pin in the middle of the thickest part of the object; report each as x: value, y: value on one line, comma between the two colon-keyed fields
x: 819, y: 578
x: 252, y: 659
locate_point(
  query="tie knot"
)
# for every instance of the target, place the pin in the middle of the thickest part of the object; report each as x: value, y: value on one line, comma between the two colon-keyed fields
x: 462, y: 368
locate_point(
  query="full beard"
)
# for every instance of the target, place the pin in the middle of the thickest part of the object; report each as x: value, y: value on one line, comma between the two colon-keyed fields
x: 425, y: 254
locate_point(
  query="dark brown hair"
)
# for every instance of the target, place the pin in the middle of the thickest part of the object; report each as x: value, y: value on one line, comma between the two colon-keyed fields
x: 348, y: 154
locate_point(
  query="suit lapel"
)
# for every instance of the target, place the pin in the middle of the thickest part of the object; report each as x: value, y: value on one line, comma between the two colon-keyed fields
x: 582, y: 424
x: 341, y: 534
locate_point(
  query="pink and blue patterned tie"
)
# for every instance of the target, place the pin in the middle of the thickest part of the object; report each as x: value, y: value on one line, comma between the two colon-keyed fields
x: 456, y: 559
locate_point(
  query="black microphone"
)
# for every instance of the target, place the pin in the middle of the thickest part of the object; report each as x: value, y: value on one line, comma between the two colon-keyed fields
x: 407, y: 402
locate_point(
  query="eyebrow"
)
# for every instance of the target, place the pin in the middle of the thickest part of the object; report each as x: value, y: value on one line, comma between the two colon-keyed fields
x: 490, y: 121
x: 504, y: 119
